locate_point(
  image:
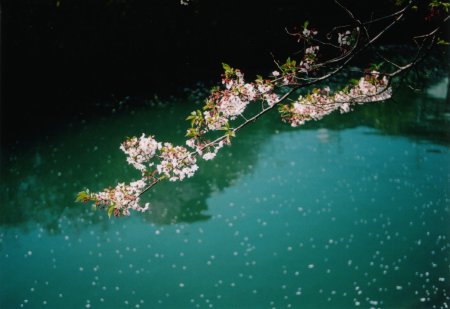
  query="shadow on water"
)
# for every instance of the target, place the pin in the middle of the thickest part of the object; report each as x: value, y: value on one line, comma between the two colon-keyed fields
x: 39, y: 183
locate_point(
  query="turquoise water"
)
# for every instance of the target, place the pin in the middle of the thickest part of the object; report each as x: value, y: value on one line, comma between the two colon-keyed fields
x: 351, y: 211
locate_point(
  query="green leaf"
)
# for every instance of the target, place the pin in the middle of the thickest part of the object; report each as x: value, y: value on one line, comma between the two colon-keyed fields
x: 111, y: 210
x: 230, y: 133
x: 376, y: 66
x: 442, y: 42
x: 354, y: 81
x: 192, y: 132
x: 83, y: 197
x: 306, y: 24
x: 226, y: 67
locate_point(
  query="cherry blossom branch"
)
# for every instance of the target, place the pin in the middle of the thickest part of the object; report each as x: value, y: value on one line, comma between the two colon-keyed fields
x: 221, y: 138
x: 349, y: 56
x: 161, y: 161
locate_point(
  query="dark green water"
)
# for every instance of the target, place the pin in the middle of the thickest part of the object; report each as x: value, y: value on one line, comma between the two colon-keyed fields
x: 346, y: 212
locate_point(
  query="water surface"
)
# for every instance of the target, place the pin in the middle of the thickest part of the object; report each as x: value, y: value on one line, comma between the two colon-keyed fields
x: 349, y: 211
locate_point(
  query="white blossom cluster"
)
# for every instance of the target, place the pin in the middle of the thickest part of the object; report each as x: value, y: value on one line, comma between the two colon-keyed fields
x: 238, y: 94
x: 225, y: 105
x: 176, y: 162
x: 207, y: 153
x: 211, y: 154
x: 140, y: 150
x: 234, y: 99
x: 122, y: 198
x: 232, y: 105
x: 312, y: 50
x: 284, y: 79
x: 271, y: 98
x: 344, y: 38
x: 371, y: 89
x: 321, y: 103
x: 308, y: 33
x: 214, y: 121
